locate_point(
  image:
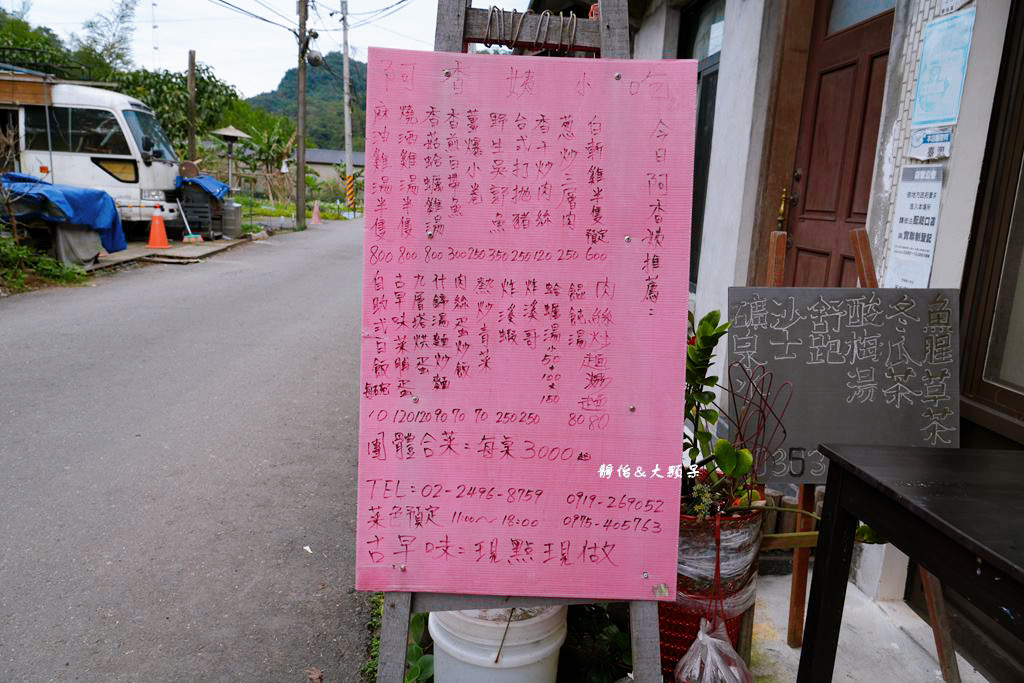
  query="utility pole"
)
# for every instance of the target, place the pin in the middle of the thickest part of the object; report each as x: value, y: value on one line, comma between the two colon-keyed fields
x: 300, y: 134
x: 348, y: 93
x: 191, y: 105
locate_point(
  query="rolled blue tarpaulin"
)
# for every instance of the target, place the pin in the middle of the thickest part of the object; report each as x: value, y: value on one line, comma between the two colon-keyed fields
x: 207, y: 183
x: 35, y: 198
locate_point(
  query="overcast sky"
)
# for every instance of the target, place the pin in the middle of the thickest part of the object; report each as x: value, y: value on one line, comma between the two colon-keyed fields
x: 250, y: 54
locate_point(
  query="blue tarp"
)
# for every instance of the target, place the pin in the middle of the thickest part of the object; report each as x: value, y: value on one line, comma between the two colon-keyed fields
x: 207, y: 183
x: 35, y: 198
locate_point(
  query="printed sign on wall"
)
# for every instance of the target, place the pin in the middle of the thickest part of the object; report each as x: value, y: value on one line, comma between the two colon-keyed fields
x: 914, y: 227
x: 524, y: 324
x: 942, y: 69
x: 868, y: 366
x: 927, y: 144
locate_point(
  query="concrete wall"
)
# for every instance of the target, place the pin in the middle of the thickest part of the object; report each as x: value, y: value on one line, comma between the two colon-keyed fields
x: 326, y: 172
x: 744, y: 83
x: 963, y: 168
x: 658, y: 36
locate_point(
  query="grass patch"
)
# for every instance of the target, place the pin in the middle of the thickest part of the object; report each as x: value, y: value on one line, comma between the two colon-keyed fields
x: 22, y: 267
x: 369, y: 670
x: 264, y: 208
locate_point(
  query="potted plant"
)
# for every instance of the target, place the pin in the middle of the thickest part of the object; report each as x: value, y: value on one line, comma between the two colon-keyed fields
x: 720, y: 521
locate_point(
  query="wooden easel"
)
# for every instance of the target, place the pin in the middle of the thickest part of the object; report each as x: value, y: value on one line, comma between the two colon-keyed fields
x: 459, y: 24
x: 803, y: 540
x: 398, y: 607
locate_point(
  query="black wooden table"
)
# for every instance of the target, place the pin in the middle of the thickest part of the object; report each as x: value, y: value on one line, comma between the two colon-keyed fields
x: 958, y: 512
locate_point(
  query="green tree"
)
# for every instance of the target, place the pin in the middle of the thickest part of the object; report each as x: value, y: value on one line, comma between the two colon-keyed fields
x: 269, y: 146
x: 37, y: 48
x: 166, y: 92
x: 106, y: 41
x: 325, y: 114
x: 248, y: 118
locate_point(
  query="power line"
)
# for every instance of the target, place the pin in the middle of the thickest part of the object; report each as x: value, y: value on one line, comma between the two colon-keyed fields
x: 375, y: 11
x: 396, y: 7
x: 320, y: 17
x: 235, y: 8
x: 286, y: 18
x: 146, y: 21
x: 156, y: 46
x: 403, y: 35
x: 374, y: 16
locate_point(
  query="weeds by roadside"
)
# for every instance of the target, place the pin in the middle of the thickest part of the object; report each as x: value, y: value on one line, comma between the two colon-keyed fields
x: 22, y: 267
x: 369, y: 670
x: 263, y: 208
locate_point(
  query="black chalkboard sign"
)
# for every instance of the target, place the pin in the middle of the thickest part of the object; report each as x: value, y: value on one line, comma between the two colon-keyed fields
x: 867, y: 366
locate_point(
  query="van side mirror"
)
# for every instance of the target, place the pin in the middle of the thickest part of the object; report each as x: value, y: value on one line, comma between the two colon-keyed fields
x: 147, y: 150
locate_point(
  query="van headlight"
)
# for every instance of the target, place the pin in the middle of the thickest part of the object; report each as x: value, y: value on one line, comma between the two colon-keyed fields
x: 154, y: 195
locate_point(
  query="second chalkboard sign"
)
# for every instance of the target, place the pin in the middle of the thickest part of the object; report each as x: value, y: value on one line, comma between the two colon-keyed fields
x: 868, y: 366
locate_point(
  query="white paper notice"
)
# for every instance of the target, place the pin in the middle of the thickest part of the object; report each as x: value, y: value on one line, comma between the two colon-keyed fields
x: 927, y: 144
x: 715, y: 37
x: 912, y: 245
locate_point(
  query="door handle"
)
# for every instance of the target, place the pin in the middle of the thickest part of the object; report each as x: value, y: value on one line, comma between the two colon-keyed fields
x: 781, y: 221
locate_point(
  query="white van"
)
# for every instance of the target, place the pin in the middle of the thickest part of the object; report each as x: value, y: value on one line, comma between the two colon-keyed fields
x: 100, y: 139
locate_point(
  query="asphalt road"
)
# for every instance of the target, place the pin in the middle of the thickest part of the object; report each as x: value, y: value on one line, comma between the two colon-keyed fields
x: 170, y: 440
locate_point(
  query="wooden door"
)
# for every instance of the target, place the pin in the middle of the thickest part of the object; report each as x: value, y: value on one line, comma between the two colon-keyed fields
x: 836, y: 146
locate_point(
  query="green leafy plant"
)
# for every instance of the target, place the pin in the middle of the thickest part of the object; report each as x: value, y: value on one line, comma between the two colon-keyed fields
x: 269, y: 144
x: 166, y: 92
x: 418, y: 666
x: 18, y: 261
x: 722, y: 475
x: 369, y: 668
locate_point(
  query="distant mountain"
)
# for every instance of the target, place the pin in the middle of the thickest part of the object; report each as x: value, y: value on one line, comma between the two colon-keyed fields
x: 325, y: 116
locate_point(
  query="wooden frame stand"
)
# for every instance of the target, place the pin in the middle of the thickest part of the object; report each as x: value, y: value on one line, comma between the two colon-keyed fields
x: 459, y: 24
x: 399, y: 607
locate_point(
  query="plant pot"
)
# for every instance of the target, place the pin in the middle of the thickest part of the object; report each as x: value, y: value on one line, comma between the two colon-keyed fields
x: 679, y: 621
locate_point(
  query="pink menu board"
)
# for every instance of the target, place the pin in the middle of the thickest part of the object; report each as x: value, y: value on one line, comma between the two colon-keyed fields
x: 525, y: 273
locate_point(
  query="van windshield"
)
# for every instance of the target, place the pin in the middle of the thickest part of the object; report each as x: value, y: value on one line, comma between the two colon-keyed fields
x: 143, y: 124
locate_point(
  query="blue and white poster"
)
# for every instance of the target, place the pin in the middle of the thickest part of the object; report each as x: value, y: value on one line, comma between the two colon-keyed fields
x: 942, y: 69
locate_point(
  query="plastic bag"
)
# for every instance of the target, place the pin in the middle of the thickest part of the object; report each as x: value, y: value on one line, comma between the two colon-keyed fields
x: 712, y: 659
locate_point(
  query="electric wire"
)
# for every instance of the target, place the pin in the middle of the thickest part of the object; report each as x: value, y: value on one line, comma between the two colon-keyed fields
x: 373, y: 11
x: 403, y: 35
x: 373, y: 15
x: 286, y: 18
x: 240, y: 10
x: 372, y: 20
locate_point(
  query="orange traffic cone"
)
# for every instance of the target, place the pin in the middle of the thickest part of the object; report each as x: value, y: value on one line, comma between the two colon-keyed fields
x: 157, y: 233
x: 316, y: 213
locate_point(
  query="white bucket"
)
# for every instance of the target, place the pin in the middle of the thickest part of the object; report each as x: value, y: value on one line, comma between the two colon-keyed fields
x: 466, y: 642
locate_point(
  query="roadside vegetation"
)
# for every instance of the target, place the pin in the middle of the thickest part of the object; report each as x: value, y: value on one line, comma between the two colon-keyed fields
x: 23, y: 268
x: 262, y: 208
x: 369, y: 670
